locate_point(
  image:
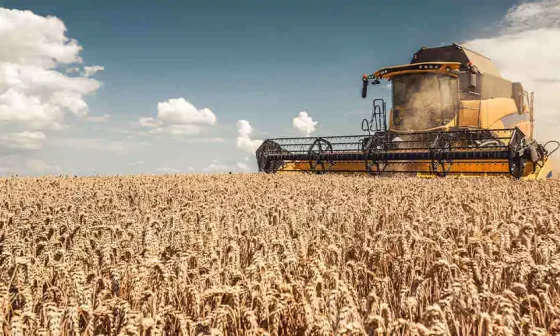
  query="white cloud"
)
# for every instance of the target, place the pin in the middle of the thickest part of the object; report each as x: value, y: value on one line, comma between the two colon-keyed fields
x: 98, y: 144
x: 168, y: 170
x: 38, y: 98
x: 33, y: 95
x: 22, y: 140
x: 35, y: 40
x: 150, y: 122
x: 177, y: 130
x: 527, y: 51
x: 304, y: 123
x: 205, y: 140
x: 87, y: 71
x: 72, y: 70
x: 234, y: 167
x: 92, y: 70
x: 99, y: 119
x: 243, y: 166
x: 533, y: 15
x: 180, y: 111
x: 178, y: 117
x: 244, y: 141
x: 41, y: 167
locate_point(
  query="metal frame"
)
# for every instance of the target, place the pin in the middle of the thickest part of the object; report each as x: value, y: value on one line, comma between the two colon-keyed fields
x: 442, y: 149
x: 378, y: 121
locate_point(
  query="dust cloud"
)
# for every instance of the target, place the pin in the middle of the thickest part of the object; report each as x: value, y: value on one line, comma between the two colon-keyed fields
x: 425, y: 101
x: 527, y: 50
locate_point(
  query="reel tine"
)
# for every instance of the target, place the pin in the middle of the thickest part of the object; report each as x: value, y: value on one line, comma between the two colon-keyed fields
x: 383, y: 152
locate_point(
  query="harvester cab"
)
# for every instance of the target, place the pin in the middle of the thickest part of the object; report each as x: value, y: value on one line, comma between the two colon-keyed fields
x: 452, y: 114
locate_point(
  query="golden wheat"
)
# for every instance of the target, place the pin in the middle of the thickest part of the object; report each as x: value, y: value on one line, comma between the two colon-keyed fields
x: 278, y: 255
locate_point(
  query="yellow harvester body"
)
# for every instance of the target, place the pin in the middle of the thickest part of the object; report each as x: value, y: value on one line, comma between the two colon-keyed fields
x: 452, y: 114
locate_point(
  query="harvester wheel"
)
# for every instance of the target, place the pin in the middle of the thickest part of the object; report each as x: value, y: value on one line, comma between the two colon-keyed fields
x: 264, y: 163
x: 316, y: 154
x: 441, y: 148
x: 373, y: 145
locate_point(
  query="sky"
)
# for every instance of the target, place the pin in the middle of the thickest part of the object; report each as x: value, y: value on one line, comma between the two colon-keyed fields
x: 145, y: 87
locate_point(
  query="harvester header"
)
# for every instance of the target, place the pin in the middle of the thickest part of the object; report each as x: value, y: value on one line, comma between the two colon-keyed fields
x: 452, y: 114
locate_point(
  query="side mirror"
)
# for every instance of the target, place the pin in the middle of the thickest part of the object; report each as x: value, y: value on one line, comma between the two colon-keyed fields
x: 365, y: 83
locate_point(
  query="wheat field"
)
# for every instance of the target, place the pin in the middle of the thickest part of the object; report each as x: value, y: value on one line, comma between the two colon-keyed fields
x: 278, y: 255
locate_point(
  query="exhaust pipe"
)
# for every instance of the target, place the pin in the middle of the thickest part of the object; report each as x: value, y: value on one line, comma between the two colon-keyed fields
x: 472, y: 82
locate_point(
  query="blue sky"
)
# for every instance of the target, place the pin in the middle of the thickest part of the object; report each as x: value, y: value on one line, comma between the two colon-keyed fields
x: 259, y: 61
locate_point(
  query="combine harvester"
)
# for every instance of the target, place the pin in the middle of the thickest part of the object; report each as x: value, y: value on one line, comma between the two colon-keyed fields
x: 453, y: 114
